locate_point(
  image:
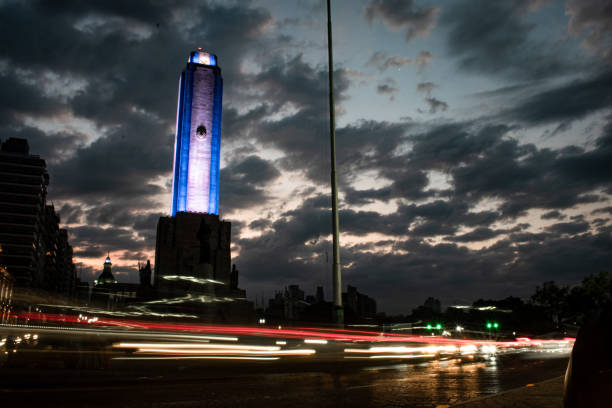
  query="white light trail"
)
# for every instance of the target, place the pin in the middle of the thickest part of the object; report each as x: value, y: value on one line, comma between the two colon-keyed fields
x: 298, y: 352
x: 196, y: 346
x: 315, y: 341
x: 197, y: 358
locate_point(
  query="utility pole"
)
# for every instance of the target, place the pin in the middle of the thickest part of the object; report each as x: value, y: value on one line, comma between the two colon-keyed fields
x: 338, y: 313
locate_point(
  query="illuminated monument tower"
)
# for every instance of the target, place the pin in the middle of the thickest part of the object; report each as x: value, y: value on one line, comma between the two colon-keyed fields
x: 198, y: 136
x: 193, y: 270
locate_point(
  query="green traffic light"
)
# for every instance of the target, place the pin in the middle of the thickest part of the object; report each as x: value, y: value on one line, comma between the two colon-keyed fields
x: 429, y: 327
x: 489, y: 325
x: 496, y: 325
x: 438, y: 326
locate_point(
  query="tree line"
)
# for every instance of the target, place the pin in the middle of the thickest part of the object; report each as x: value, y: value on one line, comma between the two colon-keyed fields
x: 552, y: 308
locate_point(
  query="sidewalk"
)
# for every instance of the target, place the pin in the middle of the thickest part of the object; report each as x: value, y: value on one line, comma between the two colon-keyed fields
x: 545, y: 394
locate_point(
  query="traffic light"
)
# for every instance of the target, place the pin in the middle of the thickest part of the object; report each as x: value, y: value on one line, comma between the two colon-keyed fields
x: 495, y: 325
x: 439, y: 326
x: 429, y: 327
x: 489, y: 325
x: 492, y: 325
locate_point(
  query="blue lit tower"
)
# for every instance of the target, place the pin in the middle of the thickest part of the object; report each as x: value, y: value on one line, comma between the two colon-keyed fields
x: 193, y: 269
x: 197, y: 146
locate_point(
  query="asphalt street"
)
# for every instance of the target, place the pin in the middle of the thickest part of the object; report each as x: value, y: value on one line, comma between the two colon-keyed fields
x: 295, y: 384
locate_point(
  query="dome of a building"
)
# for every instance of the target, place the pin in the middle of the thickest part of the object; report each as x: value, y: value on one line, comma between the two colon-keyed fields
x: 106, y: 276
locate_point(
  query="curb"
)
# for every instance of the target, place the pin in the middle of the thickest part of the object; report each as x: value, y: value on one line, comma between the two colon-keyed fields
x: 502, y: 393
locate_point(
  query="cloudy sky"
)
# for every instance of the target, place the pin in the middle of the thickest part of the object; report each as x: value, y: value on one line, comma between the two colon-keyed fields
x: 474, y: 137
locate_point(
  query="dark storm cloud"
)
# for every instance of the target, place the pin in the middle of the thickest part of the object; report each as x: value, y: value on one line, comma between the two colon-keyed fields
x: 527, y: 177
x: 570, y: 101
x: 424, y: 58
x: 292, y: 246
x: 532, y: 5
x: 240, y: 126
x: 551, y: 215
x: 295, y: 82
x: 113, y: 214
x: 387, y: 87
x: 254, y: 170
x: 382, y: 62
x: 18, y: 98
x: 396, y: 62
x: 260, y: 224
x: 301, y: 136
x: 118, y: 215
x: 100, y: 48
x: 403, y: 15
x: 483, y: 162
x: 53, y: 147
x: 115, y: 65
x: 426, y: 87
x: 145, y: 225
x: 600, y: 223
x: 137, y: 10
x: 409, y: 183
x: 292, y: 84
x: 442, y: 217
x: 126, y: 57
x: 412, y: 268
x: 454, y: 272
x: 478, y: 234
x: 572, y: 228
x: 372, y: 145
x: 120, y: 165
x: 562, y: 258
x: 491, y: 37
x: 66, y: 32
x: 91, y: 252
x: 296, y: 235
x: 593, y: 19
x: 436, y: 105
x: 126, y: 273
x: 243, y: 182
x: 119, y: 71
x: 104, y: 239
x: 605, y: 210
x: 443, y: 147
x: 70, y: 214
x: 299, y: 232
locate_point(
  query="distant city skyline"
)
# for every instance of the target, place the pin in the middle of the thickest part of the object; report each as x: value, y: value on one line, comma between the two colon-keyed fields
x: 474, y: 137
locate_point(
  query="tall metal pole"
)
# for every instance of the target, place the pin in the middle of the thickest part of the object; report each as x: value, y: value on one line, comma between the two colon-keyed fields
x: 337, y: 278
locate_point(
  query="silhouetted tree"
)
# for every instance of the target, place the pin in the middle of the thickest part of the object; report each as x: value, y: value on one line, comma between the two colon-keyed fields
x: 428, y: 310
x: 553, y: 299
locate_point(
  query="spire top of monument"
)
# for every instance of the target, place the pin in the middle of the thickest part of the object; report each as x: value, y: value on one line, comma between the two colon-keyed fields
x: 203, y: 58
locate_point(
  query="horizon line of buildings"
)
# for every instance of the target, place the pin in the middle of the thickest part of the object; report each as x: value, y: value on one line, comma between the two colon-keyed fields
x: 35, y: 255
x: 34, y: 250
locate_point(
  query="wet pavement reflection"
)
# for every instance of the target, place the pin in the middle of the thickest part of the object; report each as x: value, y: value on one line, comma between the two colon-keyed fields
x: 228, y: 366
x: 423, y: 384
